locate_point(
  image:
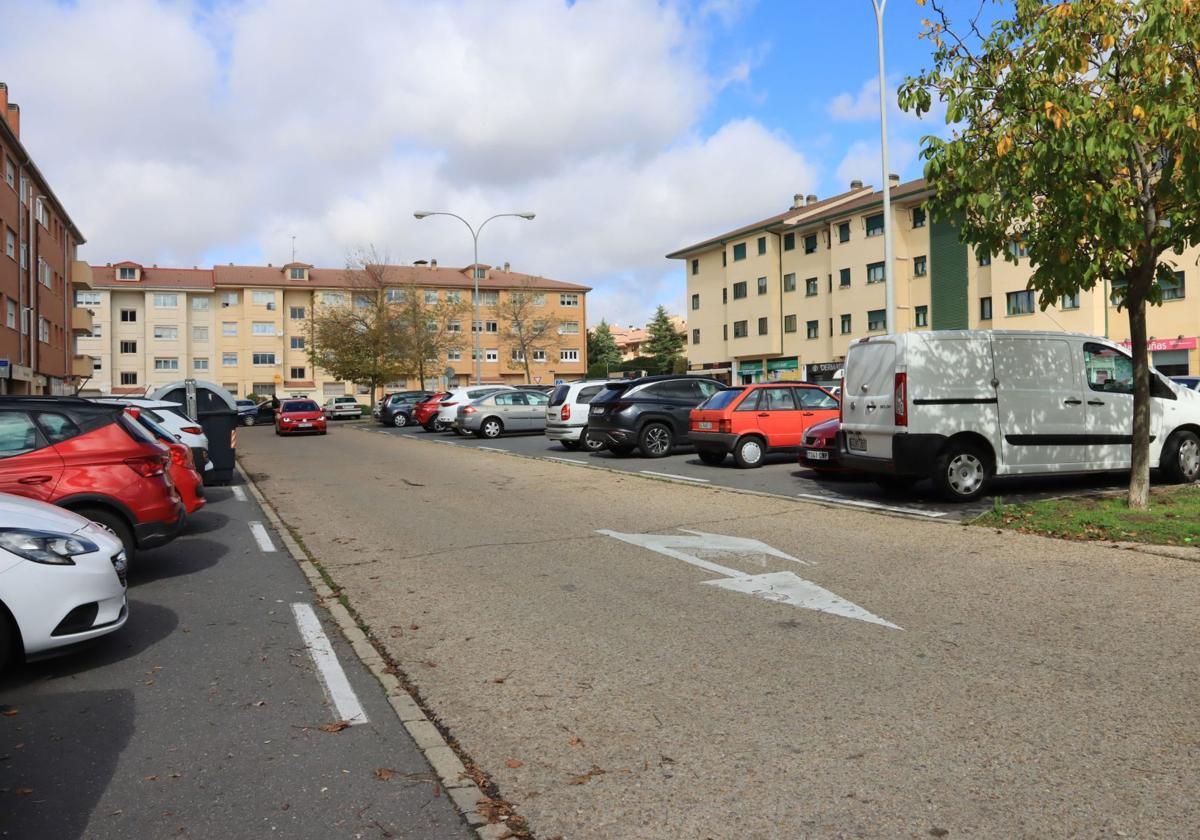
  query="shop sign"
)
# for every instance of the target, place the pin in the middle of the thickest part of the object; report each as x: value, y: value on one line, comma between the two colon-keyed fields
x: 1160, y: 345
x: 783, y: 364
x: 824, y: 370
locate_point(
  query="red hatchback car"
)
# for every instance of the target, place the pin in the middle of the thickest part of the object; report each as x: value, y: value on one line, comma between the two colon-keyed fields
x: 752, y: 420
x: 93, y: 459
x: 425, y: 413
x: 299, y: 417
x: 182, y: 468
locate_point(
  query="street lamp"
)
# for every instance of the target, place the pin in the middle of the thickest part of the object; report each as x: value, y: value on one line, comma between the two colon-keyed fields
x: 889, y: 284
x: 475, y: 231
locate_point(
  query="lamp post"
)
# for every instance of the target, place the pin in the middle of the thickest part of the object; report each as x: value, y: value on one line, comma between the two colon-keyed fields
x: 475, y: 231
x: 888, y: 273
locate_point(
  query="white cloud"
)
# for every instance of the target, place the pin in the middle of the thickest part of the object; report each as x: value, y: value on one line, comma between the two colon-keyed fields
x: 224, y: 132
x: 862, y: 162
x: 863, y: 105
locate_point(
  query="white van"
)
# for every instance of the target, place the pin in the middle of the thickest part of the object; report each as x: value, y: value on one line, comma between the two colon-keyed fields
x: 961, y: 406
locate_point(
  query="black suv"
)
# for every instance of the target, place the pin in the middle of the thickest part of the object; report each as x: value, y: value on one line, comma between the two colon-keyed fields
x: 649, y: 414
x: 396, y: 409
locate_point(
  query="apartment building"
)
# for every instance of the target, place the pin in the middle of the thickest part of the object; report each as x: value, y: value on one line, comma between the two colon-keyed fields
x: 629, y: 340
x: 782, y: 298
x: 246, y: 328
x: 38, y: 270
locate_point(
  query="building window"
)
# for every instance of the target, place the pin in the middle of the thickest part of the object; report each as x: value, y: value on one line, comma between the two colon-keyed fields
x: 844, y: 278
x: 739, y: 251
x: 393, y: 296
x: 296, y: 273
x: 724, y: 295
x: 296, y: 373
x: 695, y: 336
x: 922, y: 313
x: 200, y: 334
x: 229, y: 328
x: 201, y: 303
x: 516, y: 355
x: 166, y: 364
x: 1069, y: 301
x: 454, y: 355
x: 97, y: 365
x: 810, y: 243
x: 567, y: 328
x: 844, y: 232
x: 874, y: 273
x: 1172, y: 291
x: 568, y: 355
x: 10, y: 244
x: 739, y: 290
x: 128, y: 347
x: 1021, y: 303
x: 489, y: 298
x: 875, y: 225
x: 695, y: 266
x: 494, y: 327
x: 431, y: 296
x: 297, y: 342
x: 789, y: 242
x: 789, y: 323
x: 539, y: 355
x: 984, y: 260
x: 538, y: 300
x: 571, y: 299
x: 789, y: 282
x: 10, y: 173
x: 845, y: 324
x: 24, y: 255
x: 87, y: 298
x: 918, y: 217
x: 810, y: 287
x: 491, y: 355
x: 126, y: 273
x: 695, y: 301
x: 1117, y: 295
x: 229, y: 299
x: 128, y: 377
x: 262, y: 328
x: 96, y: 329
x: 740, y: 329
x: 11, y: 315
x: 454, y: 326
x: 166, y: 301
x: 1018, y: 248
x: 262, y: 359
x: 43, y: 330
x: 985, y: 309
x: 762, y: 326
x: 762, y: 285
x: 296, y: 313
x: 724, y: 332
x: 362, y: 302
x: 812, y: 330
x: 41, y: 213
x: 920, y: 266
x: 200, y: 363
x: 876, y: 320
x: 229, y: 359
x: 762, y: 245
x: 129, y: 316
x: 165, y: 333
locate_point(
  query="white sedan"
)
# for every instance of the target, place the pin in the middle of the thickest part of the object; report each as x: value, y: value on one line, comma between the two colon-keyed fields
x: 62, y: 579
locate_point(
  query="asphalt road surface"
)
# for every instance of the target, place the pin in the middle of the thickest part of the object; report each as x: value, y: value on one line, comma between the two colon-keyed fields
x: 640, y: 658
x: 200, y: 718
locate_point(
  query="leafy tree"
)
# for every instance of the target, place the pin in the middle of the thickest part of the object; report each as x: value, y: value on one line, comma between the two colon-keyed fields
x: 665, y: 343
x: 526, y: 326
x: 602, y: 347
x: 428, y: 328
x: 1074, y: 132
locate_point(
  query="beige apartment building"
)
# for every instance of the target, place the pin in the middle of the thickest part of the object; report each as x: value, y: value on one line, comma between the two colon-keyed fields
x: 783, y: 297
x: 246, y: 328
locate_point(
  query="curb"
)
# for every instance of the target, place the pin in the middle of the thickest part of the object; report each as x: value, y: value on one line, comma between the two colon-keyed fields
x: 442, y: 757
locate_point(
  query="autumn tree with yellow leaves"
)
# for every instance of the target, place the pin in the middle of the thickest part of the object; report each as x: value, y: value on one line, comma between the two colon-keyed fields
x: 1073, y: 129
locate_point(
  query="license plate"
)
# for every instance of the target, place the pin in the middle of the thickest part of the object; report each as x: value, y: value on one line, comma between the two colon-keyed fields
x: 305, y: 425
x: 856, y: 442
x: 704, y: 424
x: 597, y: 409
x: 815, y: 455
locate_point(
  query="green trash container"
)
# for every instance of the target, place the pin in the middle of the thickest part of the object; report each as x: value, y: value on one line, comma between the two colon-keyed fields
x: 216, y: 412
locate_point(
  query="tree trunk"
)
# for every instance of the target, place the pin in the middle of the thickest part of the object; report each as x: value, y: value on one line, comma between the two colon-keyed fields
x: 1139, y: 473
x: 528, y: 375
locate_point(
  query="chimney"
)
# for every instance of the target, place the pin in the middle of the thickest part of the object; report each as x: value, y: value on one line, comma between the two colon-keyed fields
x: 506, y: 265
x: 270, y: 266
x: 14, y: 119
x: 433, y: 263
x: 894, y: 180
x: 3, y: 98
x: 797, y: 200
x: 856, y: 184
x: 810, y: 199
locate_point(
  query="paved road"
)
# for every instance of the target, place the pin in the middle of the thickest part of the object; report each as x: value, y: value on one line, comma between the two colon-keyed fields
x: 615, y: 690
x: 781, y: 475
x: 200, y: 717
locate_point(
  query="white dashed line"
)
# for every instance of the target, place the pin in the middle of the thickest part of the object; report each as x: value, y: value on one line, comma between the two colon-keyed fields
x: 493, y: 449
x: 261, y: 536
x: 566, y: 460
x: 333, y: 678
x: 675, y: 477
x: 929, y: 514
x: 238, y: 493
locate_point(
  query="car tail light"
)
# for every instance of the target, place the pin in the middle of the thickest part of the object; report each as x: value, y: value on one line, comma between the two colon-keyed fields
x: 133, y: 411
x: 565, y: 414
x: 725, y: 426
x: 177, y: 457
x: 447, y: 404
x: 901, y: 399
x: 148, y: 466
x: 192, y: 430
x: 469, y: 409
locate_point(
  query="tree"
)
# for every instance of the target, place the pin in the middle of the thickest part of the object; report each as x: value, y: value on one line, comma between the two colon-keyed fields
x: 429, y: 327
x: 356, y: 338
x: 1074, y: 133
x: 665, y: 343
x: 602, y: 348
x: 525, y: 325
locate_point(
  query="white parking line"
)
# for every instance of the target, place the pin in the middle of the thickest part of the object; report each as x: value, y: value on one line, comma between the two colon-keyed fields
x: 930, y: 514
x: 261, y: 536
x: 566, y: 460
x: 676, y: 477
x: 333, y: 678
x: 238, y: 493
x: 447, y: 442
x: 493, y: 449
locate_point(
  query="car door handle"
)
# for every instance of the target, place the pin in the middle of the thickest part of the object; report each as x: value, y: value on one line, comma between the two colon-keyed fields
x: 808, y: 414
x: 764, y: 414
x: 1095, y: 402
x: 33, y: 479
x: 1072, y: 401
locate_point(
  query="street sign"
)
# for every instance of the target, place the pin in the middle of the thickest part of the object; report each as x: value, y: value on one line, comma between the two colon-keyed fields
x: 5, y: 368
x: 558, y: 382
x: 537, y: 380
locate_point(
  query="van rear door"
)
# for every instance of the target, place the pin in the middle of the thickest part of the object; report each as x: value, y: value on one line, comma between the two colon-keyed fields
x: 868, y: 387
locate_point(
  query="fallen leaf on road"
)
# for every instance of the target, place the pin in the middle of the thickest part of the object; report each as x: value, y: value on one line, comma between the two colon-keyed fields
x: 24, y: 791
x: 586, y: 777
x: 335, y: 727
x: 428, y: 663
x: 149, y: 778
x: 514, y: 763
x: 575, y: 741
x: 259, y: 703
x: 384, y: 774
x: 497, y: 680
x: 11, y: 712
x: 414, y: 627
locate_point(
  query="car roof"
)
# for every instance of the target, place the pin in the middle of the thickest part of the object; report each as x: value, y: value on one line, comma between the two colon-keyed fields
x: 658, y: 377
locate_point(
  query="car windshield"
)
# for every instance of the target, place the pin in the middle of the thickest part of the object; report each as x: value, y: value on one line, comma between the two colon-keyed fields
x: 721, y: 399
x: 300, y: 405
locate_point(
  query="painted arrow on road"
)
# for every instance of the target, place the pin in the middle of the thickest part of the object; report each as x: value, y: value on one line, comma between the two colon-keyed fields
x: 784, y: 587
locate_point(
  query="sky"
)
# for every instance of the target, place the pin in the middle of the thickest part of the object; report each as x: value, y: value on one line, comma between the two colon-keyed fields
x: 198, y: 132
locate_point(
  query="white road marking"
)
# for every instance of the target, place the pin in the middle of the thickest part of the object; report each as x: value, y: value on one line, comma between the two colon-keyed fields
x: 238, y: 493
x: 447, y: 442
x: 566, y: 460
x: 261, y: 536
x: 333, y: 678
x: 676, y: 477
x: 493, y: 449
x: 833, y: 500
x: 784, y: 587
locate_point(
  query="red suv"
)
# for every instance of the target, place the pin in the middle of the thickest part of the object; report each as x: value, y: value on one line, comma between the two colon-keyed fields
x: 426, y: 413
x: 750, y: 420
x: 299, y: 417
x: 92, y: 459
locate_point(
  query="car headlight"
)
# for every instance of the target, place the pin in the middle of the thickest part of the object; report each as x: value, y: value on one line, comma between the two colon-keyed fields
x: 45, y: 546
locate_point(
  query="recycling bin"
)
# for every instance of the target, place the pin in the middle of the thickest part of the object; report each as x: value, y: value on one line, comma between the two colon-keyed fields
x: 215, y: 409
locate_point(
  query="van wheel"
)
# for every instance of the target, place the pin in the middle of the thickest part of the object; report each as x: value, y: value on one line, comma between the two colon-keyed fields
x: 115, y: 524
x: 655, y: 441
x: 962, y: 472
x: 711, y: 457
x: 1181, y: 458
x: 748, y: 453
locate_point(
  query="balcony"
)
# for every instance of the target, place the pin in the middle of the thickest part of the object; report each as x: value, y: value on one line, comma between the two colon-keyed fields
x: 83, y: 367
x: 81, y: 275
x: 81, y: 320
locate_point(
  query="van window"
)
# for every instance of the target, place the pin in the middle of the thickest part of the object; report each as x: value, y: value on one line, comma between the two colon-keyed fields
x: 560, y: 395
x: 1036, y: 364
x: 1107, y: 369
x: 586, y: 394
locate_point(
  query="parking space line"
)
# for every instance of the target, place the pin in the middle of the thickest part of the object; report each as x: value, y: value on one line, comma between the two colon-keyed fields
x: 676, y: 477
x: 493, y: 449
x: 329, y: 669
x: 565, y: 460
x: 261, y: 536
x: 447, y: 442
x: 930, y: 514
x: 238, y: 493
